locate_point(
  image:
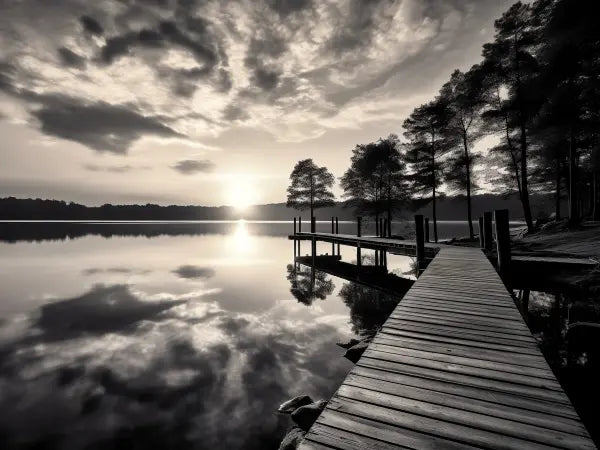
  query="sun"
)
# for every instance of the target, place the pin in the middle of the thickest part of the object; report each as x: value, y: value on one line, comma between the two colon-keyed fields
x: 242, y: 194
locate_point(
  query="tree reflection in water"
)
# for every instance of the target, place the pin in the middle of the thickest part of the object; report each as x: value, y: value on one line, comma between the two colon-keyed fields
x: 308, y: 284
x: 369, y: 308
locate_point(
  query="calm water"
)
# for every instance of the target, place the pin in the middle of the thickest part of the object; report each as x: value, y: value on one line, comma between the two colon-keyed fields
x: 166, y: 336
x: 189, y: 335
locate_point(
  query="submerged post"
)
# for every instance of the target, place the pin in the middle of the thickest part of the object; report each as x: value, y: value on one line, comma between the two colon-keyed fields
x: 426, y: 229
x: 420, y: 240
x: 481, y: 241
x: 502, y: 240
x: 487, y: 231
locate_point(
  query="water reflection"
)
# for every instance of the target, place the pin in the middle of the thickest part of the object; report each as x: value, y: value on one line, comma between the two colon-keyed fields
x: 171, y: 342
x: 567, y: 328
x: 308, y: 284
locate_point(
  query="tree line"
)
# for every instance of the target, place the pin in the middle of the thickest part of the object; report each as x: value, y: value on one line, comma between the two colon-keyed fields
x: 535, y: 99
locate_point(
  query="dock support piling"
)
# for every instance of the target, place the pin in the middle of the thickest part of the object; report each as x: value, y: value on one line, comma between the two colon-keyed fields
x: 426, y: 229
x: 358, y: 225
x: 337, y: 231
x: 419, y: 229
x: 502, y: 240
x: 313, y: 224
x: 299, y: 224
x: 332, y: 232
x: 294, y: 225
x: 481, y: 240
x: 487, y: 231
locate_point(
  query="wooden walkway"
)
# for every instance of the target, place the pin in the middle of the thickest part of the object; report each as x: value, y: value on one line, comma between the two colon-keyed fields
x: 391, y: 245
x: 453, y: 367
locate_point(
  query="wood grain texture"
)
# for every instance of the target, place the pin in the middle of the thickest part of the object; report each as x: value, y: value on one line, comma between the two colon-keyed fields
x: 454, y: 366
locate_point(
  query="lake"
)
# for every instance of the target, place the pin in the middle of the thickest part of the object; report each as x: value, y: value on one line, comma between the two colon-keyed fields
x: 163, y: 335
x: 175, y: 335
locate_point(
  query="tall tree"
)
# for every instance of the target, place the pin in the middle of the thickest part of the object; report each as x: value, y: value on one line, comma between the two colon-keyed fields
x: 511, y: 64
x: 310, y: 187
x: 427, y: 145
x: 376, y: 182
x: 463, y: 96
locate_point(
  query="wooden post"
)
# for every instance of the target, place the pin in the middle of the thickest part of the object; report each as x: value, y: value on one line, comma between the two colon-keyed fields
x: 358, y: 255
x: 358, y: 224
x: 385, y: 228
x: 332, y: 232
x: 313, y: 224
x: 337, y: 231
x: 426, y: 229
x: 481, y: 241
x: 313, y: 250
x: 389, y: 228
x: 377, y: 227
x: 502, y: 240
x: 381, y: 230
x: 294, y: 225
x: 420, y: 240
x: 299, y: 224
x: 487, y: 231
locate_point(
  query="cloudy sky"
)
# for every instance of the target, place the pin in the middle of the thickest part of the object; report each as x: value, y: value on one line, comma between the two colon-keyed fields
x: 212, y: 102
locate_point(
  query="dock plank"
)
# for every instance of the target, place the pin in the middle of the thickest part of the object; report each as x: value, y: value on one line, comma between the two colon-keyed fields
x: 454, y: 366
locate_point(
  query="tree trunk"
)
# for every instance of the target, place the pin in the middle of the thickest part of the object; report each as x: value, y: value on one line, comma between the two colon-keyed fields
x: 433, y: 214
x: 573, y: 198
x: 595, y: 209
x: 524, y: 181
x: 468, y: 167
x: 557, y: 191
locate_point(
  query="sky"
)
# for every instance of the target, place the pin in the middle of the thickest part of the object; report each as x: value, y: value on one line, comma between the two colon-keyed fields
x: 212, y: 102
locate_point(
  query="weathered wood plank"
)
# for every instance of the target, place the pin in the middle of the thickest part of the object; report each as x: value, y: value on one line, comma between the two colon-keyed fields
x: 455, y: 366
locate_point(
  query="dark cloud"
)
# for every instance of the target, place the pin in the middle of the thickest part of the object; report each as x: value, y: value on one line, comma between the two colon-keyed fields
x: 194, y: 272
x: 235, y: 112
x: 358, y: 26
x: 71, y: 59
x: 114, y: 270
x: 91, y: 25
x: 100, y: 126
x: 102, y: 310
x: 114, y: 169
x: 192, y: 166
x: 287, y: 7
x: 265, y: 79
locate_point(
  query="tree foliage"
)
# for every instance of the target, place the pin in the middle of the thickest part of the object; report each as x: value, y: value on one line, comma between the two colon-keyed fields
x: 310, y: 187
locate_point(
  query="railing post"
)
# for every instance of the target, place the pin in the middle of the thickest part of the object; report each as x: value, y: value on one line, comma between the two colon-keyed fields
x: 487, y: 231
x: 377, y: 228
x: 337, y: 231
x: 294, y: 225
x: 332, y: 232
x: 358, y: 234
x: 481, y: 240
x: 420, y: 240
x: 313, y: 224
x: 502, y: 240
x: 299, y: 224
x: 426, y: 229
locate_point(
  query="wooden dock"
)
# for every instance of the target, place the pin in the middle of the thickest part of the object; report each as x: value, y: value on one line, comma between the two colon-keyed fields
x: 454, y: 366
